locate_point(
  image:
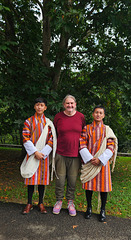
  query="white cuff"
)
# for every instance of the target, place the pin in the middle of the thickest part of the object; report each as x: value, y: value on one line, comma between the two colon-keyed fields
x: 29, y: 147
x: 46, y: 150
x: 105, y: 156
x: 86, y: 155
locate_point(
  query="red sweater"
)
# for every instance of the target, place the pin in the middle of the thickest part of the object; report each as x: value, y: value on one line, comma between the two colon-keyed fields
x: 68, y: 130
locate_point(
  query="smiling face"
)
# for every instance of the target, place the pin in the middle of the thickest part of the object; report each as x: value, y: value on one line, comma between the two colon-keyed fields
x: 98, y: 115
x: 40, y: 108
x: 70, y: 106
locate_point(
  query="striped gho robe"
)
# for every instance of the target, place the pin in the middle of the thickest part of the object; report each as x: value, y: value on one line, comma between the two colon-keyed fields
x: 32, y: 130
x: 92, y: 137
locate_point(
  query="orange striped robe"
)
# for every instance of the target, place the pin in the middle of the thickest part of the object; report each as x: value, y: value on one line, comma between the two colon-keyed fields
x: 92, y: 138
x: 32, y: 130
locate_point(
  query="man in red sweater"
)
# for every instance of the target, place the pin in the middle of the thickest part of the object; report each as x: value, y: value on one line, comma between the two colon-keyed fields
x: 69, y: 124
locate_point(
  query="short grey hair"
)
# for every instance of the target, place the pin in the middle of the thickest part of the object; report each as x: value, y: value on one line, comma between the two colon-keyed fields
x: 69, y: 96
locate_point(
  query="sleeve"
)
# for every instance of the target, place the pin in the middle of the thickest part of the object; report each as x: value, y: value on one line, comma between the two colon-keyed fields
x: 46, y: 150
x: 29, y: 146
x: 107, y: 154
x: 86, y: 155
x: 83, y: 138
x: 50, y: 138
x: 26, y: 131
x: 110, y: 144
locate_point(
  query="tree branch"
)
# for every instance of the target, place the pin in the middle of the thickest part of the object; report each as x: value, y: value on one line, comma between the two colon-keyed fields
x: 40, y: 5
x: 83, y: 52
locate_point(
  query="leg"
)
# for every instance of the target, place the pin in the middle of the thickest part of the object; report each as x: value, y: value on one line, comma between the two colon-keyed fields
x: 73, y: 165
x: 89, y: 197
x: 103, y: 200
x: 89, y: 206
x: 60, y: 182
x: 41, y: 189
x: 102, y: 216
x: 61, y: 173
x: 29, y: 204
x: 30, y: 193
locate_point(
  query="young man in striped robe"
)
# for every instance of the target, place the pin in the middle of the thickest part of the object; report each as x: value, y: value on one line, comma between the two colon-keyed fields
x: 98, y: 145
x: 32, y: 130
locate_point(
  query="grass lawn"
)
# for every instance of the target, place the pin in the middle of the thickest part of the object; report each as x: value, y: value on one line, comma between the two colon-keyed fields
x: 12, y: 188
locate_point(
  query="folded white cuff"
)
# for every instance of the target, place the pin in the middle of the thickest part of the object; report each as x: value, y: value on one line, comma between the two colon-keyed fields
x: 86, y: 155
x: 105, y: 156
x: 46, y: 150
x: 29, y: 147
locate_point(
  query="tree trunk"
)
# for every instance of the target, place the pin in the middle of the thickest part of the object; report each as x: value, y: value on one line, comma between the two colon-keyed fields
x: 9, y: 22
x: 46, y: 33
x: 60, y: 59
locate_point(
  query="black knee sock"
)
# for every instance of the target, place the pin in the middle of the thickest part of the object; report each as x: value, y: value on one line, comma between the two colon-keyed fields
x: 30, y: 193
x: 41, y: 189
x: 89, y: 197
x: 103, y: 200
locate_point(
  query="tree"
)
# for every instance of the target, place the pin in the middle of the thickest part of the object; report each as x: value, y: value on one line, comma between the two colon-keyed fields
x: 39, y: 57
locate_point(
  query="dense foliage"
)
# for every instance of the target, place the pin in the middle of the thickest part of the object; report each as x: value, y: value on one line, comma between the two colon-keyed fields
x: 51, y: 48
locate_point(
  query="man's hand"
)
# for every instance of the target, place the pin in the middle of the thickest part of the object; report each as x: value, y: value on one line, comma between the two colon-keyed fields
x: 95, y: 161
x: 39, y: 155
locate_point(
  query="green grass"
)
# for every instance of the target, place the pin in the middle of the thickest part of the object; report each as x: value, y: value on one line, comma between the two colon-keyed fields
x: 12, y: 188
x: 10, y: 149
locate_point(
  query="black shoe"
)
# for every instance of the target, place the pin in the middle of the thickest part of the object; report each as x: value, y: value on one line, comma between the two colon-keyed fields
x: 88, y: 213
x: 102, y: 216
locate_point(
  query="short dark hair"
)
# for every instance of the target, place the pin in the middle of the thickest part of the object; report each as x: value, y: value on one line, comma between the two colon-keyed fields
x: 99, y: 106
x: 41, y: 100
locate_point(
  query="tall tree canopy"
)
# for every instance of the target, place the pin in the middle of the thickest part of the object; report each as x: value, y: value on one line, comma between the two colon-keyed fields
x: 51, y: 48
